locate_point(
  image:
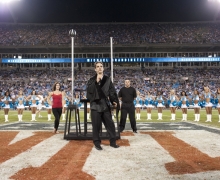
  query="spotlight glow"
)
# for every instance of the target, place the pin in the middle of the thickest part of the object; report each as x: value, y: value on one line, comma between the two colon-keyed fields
x: 7, y: 1
x: 214, y: 1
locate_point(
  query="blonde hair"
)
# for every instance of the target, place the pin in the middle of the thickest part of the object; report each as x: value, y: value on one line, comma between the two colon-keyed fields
x: 172, y: 91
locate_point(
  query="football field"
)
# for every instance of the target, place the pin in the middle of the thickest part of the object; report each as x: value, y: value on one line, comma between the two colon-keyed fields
x: 166, y: 117
x: 160, y: 150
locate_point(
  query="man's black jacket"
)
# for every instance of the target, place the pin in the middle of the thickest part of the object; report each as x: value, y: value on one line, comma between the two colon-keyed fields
x: 107, y: 88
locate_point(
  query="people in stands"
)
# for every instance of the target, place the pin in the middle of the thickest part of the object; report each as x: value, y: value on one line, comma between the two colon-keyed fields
x: 163, y: 80
x: 167, y: 33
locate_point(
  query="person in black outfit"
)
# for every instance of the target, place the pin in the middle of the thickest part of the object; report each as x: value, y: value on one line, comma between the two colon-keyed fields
x: 127, y: 95
x: 100, y: 92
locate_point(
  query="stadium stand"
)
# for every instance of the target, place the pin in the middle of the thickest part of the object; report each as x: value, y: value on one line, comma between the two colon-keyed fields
x: 144, y: 81
x: 98, y: 34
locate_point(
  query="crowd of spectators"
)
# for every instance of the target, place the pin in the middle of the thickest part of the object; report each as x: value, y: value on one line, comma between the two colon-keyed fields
x: 98, y: 34
x: 142, y: 80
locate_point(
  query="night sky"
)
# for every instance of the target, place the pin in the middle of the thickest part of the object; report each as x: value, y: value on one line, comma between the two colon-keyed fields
x: 91, y: 11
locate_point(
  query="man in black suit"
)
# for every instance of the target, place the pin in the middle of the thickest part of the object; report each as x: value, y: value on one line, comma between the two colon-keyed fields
x: 100, y: 92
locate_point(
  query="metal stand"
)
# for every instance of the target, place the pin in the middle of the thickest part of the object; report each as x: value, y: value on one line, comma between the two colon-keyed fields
x: 73, y: 131
x: 72, y: 111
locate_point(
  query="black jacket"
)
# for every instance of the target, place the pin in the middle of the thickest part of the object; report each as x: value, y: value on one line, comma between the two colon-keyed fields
x: 107, y: 88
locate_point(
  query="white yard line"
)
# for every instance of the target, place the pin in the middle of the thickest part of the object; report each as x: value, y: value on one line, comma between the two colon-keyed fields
x: 22, y: 135
x: 35, y: 157
x: 144, y: 159
x: 205, y: 141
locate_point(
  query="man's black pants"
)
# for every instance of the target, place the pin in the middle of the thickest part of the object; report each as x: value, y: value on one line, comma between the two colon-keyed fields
x: 127, y: 108
x: 106, y: 118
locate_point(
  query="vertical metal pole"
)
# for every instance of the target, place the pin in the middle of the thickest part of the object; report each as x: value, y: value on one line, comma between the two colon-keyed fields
x: 72, y: 68
x: 111, y: 59
x: 85, y: 118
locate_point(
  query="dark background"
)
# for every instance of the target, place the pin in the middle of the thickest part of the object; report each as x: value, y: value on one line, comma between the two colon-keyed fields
x: 91, y: 11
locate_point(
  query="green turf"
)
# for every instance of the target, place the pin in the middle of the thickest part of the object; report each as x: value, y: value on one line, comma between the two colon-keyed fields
x: 166, y: 117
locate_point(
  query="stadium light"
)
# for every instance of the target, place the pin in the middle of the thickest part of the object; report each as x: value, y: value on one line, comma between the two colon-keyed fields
x: 213, y: 0
x: 8, y: 1
x: 216, y: 4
